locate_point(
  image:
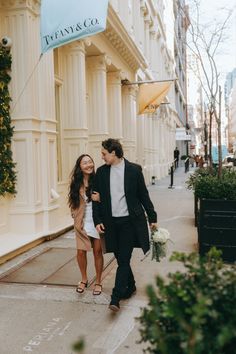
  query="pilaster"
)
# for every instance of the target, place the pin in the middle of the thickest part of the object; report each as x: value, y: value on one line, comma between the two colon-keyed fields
x: 20, y: 23
x: 46, y: 173
x: 33, y: 115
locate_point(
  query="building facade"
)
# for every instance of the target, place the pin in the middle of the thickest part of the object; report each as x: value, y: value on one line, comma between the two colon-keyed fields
x: 230, y: 109
x: 197, y: 116
x: 66, y: 101
x: 181, y: 23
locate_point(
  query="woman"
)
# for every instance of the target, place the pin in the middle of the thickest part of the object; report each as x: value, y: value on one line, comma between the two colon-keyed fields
x: 80, y: 201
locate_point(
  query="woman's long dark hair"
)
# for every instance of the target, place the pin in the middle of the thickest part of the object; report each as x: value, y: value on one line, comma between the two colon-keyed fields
x: 77, y: 182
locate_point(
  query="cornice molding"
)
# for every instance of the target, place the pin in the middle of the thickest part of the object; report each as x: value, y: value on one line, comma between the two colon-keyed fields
x: 10, y: 5
x: 119, y: 37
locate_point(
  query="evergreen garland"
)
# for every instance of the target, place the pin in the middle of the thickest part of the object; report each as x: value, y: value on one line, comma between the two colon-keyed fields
x: 7, y: 166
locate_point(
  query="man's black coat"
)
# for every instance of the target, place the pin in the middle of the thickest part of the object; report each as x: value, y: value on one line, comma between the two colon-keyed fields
x: 137, y: 198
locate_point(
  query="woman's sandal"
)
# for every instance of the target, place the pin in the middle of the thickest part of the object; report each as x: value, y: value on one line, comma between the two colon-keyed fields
x: 97, y: 292
x: 81, y: 289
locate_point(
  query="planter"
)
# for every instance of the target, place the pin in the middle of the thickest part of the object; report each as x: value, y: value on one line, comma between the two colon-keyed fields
x: 196, y: 210
x: 217, y: 227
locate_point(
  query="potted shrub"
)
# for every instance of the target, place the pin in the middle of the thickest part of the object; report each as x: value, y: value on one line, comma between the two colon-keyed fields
x: 191, y: 182
x: 215, y: 210
x: 192, y: 312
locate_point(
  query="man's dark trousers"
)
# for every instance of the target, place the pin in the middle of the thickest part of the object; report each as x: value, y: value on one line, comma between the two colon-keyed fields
x: 124, y: 239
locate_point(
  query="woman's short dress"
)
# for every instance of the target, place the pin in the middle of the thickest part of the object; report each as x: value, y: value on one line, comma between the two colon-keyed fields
x: 85, y: 230
x: 88, y: 221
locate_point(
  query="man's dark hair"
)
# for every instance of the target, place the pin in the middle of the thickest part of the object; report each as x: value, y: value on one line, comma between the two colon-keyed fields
x: 113, y: 145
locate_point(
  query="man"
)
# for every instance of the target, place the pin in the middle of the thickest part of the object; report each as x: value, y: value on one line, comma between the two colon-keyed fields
x: 176, y: 157
x: 119, y: 216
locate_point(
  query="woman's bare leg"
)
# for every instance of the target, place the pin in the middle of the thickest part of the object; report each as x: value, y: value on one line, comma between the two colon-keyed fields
x: 98, y: 261
x: 82, y: 262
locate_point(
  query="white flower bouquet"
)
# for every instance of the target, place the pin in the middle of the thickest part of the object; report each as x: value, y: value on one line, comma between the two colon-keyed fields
x: 159, y: 239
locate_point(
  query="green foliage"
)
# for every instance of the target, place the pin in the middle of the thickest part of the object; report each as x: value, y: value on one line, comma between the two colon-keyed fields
x: 79, y: 345
x: 7, y: 172
x: 206, y: 184
x: 194, y: 311
x: 198, y: 174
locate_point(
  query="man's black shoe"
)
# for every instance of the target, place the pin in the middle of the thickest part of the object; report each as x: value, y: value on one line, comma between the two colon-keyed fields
x: 114, y: 305
x: 129, y: 293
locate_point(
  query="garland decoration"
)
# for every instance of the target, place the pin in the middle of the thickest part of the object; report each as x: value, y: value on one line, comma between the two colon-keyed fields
x: 7, y: 166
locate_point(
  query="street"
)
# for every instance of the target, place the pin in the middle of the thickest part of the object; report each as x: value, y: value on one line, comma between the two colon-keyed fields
x: 41, y: 312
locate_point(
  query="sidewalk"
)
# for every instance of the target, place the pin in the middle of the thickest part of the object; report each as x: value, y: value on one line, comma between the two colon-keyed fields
x: 44, y: 315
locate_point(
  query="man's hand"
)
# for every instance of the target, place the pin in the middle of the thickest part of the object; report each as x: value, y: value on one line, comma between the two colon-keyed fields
x: 95, y: 197
x: 153, y: 226
x: 100, y: 228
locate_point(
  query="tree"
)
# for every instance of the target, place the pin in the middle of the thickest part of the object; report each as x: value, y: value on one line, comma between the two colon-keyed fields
x: 204, y: 42
x: 7, y: 166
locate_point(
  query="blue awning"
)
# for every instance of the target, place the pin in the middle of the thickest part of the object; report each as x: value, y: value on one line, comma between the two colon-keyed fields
x: 67, y: 20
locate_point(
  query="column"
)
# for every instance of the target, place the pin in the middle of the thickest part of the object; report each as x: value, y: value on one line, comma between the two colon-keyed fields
x: 159, y: 146
x: 97, y: 103
x: 129, y: 115
x: 114, y: 104
x: 162, y: 142
x: 148, y: 146
x: 74, y: 123
x: 155, y: 146
x: 141, y: 139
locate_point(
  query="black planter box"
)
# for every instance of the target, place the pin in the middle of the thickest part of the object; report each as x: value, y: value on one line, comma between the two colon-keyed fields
x: 217, y: 227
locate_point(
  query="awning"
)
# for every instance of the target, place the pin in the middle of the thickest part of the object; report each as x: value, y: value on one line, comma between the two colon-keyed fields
x: 67, y: 20
x: 151, y: 95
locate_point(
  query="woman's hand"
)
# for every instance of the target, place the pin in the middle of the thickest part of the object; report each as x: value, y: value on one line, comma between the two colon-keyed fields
x: 95, y: 197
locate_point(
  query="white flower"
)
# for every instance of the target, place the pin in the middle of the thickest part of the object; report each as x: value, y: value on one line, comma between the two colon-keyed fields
x: 161, y: 236
x: 159, y: 240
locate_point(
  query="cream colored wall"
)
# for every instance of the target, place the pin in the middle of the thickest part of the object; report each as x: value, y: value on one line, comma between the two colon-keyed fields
x: 94, y: 105
x: 34, y: 211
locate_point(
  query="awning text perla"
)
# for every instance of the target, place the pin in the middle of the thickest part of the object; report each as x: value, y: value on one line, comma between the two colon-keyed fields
x: 67, y: 20
x: 151, y: 95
